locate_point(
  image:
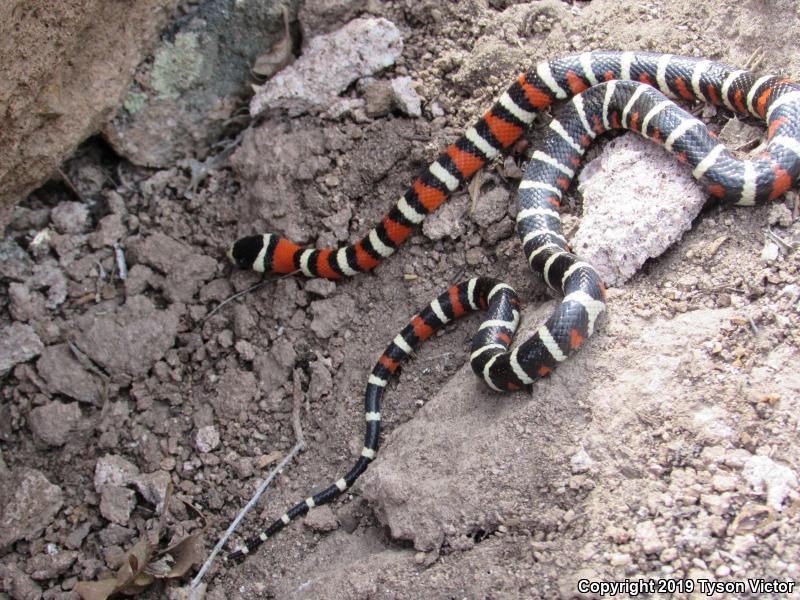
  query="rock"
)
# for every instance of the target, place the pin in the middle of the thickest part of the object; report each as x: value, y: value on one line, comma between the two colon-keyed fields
x: 581, y: 462
x: 51, y: 563
x: 70, y: 217
x: 127, y: 339
x: 449, y: 220
x: 331, y: 314
x: 770, y: 252
x: 321, y: 16
x: 62, y: 78
x: 109, y: 230
x: 28, y: 504
x: 781, y: 215
x: 647, y: 536
x: 439, y: 473
x: 18, y: 584
x: 18, y: 344
x: 14, y: 261
x: 65, y: 375
x: 190, y: 592
x: 117, y: 503
x: 405, y: 97
x: 116, y: 535
x: 321, y: 287
x: 724, y: 483
x: 329, y: 64
x: 153, y: 486
x: 765, y: 475
x: 321, y: 519
x: 49, y: 276
x: 638, y: 200
x: 114, y: 471
x: 273, y: 367
x: 52, y: 423
x: 737, y: 134
x: 491, y: 206
x: 74, y: 539
x: 568, y: 583
x: 379, y: 99
x: 207, y: 439
x: 139, y: 277
x: 186, y: 271
x: 196, y: 81
x: 321, y: 381
x: 710, y: 424
x: 26, y: 305
x: 235, y: 390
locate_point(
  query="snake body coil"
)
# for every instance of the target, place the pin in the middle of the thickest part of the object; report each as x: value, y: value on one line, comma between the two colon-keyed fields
x: 608, y: 90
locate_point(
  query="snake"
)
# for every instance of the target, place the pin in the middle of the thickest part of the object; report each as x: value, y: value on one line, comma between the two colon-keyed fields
x: 602, y: 91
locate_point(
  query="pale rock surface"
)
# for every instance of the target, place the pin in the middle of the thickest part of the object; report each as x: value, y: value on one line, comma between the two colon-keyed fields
x: 329, y: 64
x: 775, y: 480
x: 18, y: 343
x: 638, y: 200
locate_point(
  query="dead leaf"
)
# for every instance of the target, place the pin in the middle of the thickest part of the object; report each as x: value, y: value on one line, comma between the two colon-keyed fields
x: 95, y: 590
x: 144, y: 563
x: 187, y: 552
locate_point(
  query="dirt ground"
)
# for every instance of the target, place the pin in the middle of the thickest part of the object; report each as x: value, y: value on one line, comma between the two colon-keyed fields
x: 665, y: 451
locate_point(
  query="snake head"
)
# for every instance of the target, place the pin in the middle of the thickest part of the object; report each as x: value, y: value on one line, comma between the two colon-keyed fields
x: 244, y: 252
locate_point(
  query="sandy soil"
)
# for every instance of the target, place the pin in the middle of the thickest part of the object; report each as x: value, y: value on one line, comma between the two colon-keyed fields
x: 643, y: 458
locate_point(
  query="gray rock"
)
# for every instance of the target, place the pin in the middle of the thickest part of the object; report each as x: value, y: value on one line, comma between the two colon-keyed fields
x: 74, y: 539
x: 186, y: 270
x: 117, y: 503
x: 207, y: 439
x: 18, y: 343
x: 329, y: 64
x: 638, y: 201
x: 25, y: 305
x: 234, y: 391
x: 70, y: 217
x: 581, y: 462
x: 448, y: 220
x: 321, y: 381
x: 776, y: 481
x: 405, y: 97
x: 331, y: 314
x: 152, y: 486
x: 18, y: 584
x: 128, y: 339
x: 491, y: 206
x: 196, y: 80
x: 114, y: 471
x: 272, y: 368
x: 52, y: 423
x: 379, y: 99
x: 322, y: 16
x: 321, y: 519
x: 65, y: 375
x: 647, y: 536
x: 109, y: 230
x: 51, y: 563
x: 48, y: 276
x: 321, y: 287
x: 28, y: 504
x: 459, y: 458
x: 14, y: 261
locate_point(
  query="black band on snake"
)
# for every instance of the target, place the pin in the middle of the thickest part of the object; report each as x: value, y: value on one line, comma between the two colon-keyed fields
x: 608, y: 90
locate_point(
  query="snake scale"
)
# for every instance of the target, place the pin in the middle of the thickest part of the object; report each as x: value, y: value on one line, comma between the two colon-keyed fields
x: 605, y: 90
